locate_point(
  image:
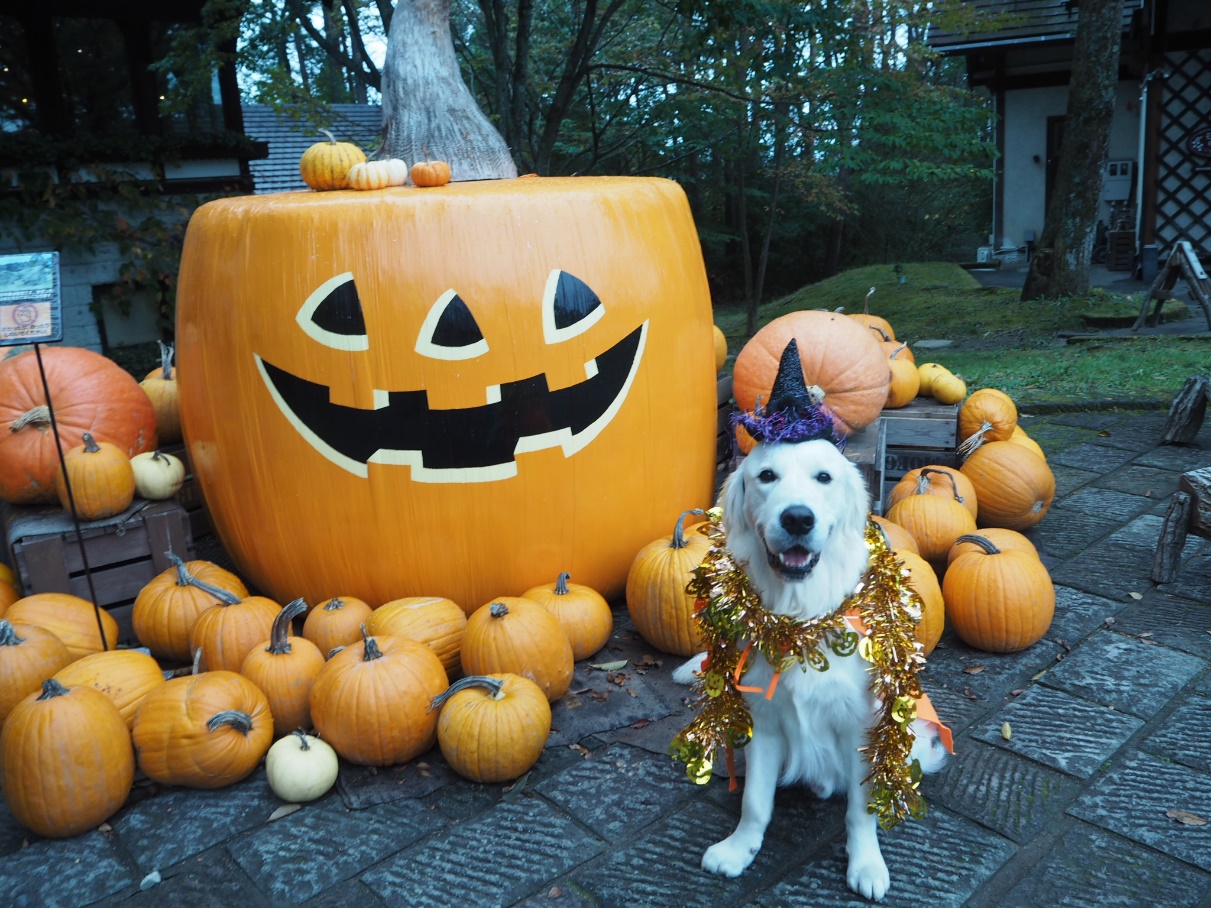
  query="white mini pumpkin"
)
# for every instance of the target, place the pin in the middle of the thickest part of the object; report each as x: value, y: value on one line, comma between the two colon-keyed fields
x: 301, y: 767
x: 157, y: 475
x: 378, y: 174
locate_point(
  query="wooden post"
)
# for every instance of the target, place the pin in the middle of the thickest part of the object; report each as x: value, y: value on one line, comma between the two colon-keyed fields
x: 1187, y: 411
x: 1169, y: 547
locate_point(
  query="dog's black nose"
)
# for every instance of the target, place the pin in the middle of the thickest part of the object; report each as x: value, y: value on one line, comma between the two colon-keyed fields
x: 798, y: 520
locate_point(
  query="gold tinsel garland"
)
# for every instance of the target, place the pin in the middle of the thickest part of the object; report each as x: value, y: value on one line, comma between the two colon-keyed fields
x: 733, y: 622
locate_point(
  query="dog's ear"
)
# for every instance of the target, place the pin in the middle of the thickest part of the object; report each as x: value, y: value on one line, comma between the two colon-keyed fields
x: 732, y: 497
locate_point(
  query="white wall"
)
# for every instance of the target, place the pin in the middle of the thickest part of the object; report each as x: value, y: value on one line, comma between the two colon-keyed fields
x: 1025, y: 178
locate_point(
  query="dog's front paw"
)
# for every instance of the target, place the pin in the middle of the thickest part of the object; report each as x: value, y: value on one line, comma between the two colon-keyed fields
x: 868, y: 876
x: 731, y: 856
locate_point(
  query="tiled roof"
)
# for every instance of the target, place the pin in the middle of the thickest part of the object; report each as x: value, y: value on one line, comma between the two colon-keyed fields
x: 360, y: 124
x: 1020, y: 22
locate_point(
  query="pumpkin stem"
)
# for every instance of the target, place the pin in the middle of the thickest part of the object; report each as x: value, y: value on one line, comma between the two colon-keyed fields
x: 8, y: 634
x: 882, y: 333
x: 240, y: 721
x: 165, y: 361
x: 561, y: 584
x: 866, y: 302
x: 38, y: 417
x: 51, y: 689
x: 90, y: 444
x: 967, y: 448
x: 372, y: 651
x: 982, y: 541
x: 679, y: 530
x: 335, y: 604
x: 197, y: 661
x: 923, y: 482
x: 492, y: 685
x: 184, y: 578
x: 331, y: 137
x: 896, y: 352
x: 279, y: 635
x: 498, y: 610
x: 302, y: 736
x: 332, y: 652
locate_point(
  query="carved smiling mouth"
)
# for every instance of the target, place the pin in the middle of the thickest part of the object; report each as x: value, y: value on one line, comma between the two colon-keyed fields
x: 471, y: 444
x: 795, y: 563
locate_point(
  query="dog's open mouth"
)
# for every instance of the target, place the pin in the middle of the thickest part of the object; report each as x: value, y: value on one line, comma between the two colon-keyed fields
x: 796, y: 562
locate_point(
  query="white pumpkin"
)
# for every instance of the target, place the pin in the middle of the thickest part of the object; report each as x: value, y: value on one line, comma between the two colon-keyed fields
x: 157, y: 475
x: 378, y: 174
x: 301, y: 767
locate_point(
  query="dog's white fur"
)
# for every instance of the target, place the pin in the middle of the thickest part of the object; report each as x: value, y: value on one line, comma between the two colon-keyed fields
x: 812, y: 728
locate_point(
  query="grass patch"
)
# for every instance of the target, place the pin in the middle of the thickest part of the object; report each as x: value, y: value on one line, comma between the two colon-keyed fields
x: 1001, y: 341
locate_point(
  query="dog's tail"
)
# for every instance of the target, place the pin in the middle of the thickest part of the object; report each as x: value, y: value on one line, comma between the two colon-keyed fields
x: 927, y: 747
x: 688, y: 673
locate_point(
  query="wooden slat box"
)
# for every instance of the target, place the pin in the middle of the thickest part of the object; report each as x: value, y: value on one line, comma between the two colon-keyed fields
x: 923, y: 432
x: 867, y: 448
x: 124, y: 552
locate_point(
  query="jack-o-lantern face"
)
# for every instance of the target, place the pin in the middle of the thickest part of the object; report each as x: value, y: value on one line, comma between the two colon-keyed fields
x: 465, y: 444
x: 455, y: 392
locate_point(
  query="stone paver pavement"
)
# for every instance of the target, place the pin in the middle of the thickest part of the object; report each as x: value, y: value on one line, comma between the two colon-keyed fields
x: 1110, y: 747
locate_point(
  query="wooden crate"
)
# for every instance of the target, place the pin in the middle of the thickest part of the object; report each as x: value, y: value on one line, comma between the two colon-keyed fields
x: 922, y: 433
x: 723, y: 423
x: 123, y: 552
x: 867, y: 449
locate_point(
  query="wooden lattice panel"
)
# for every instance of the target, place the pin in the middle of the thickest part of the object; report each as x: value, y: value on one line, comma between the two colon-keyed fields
x: 1183, y: 210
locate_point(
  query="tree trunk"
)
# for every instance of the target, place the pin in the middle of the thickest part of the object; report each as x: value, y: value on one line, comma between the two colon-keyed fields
x: 428, y: 112
x: 1061, y: 266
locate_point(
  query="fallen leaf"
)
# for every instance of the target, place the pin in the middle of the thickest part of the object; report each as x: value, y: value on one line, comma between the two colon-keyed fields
x: 618, y: 678
x: 284, y: 811
x: 600, y: 695
x: 609, y: 666
x: 518, y: 785
x: 1064, y: 643
x: 554, y: 892
x: 152, y: 879
x: 973, y: 669
x: 648, y: 661
x: 583, y: 751
x: 1186, y: 818
x: 583, y: 690
x: 1006, y: 731
x: 105, y: 829
x: 968, y: 694
x: 631, y: 691
x: 1039, y: 675
x: 1016, y: 691
x: 1135, y: 595
x: 1144, y: 634
x: 574, y: 702
x: 1104, y: 433
x: 1106, y: 622
x: 641, y: 723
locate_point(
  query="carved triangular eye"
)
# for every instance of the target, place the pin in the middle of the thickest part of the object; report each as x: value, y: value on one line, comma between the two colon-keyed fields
x: 332, y: 315
x: 569, y: 307
x: 450, y: 331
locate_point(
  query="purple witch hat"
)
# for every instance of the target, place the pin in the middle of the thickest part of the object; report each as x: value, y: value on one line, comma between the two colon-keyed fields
x: 795, y: 412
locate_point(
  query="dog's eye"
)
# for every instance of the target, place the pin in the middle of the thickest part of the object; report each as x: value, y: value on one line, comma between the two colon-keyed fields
x: 767, y: 476
x: 824, y: 478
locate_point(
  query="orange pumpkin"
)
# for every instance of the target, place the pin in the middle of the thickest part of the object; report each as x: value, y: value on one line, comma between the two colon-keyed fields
x: 126, y: 676
x: 1015, y: 486
x: 935, y: 479
x: 663, y: 612
x: 987, y: 415
x: 66, y: 764
x: 8, y: 595
x: 73, y: 620
x: 1020, y: 437
x: 720, y: 349
x: 924, y: 582
x: 506, y: 379
x: 90, y: 394
x: 160, y: 385
x: 202, y: 731
x: 227, y: 632
x: 905, y: 381
x: 28, y: 656
x: 438, y: 623
x: 897, y: 537
x: 95, y: 480
x: 326, y: 165
x: 839, y: 356
x: 336, y: 622
x: 1000, y: 601
x: 372, y: 700
x: 167, y: 608
x: 864, y: 318
x: 285, y: 668
x: 581, y: 611
x: 516, y: 635
x: 430, y: 173
x: 493, y: 728
x: 934, y: 522
x: 1005, y: 540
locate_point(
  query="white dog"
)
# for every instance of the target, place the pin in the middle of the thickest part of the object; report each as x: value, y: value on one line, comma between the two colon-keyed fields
x: 795, y: 515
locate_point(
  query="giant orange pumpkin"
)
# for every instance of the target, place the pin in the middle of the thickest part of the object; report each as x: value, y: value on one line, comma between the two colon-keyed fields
x: 839, y: 355
x: 90, y: 394
x: 457, y: 392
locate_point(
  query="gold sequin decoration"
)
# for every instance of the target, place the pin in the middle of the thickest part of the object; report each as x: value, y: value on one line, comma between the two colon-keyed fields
x: 733, y: 617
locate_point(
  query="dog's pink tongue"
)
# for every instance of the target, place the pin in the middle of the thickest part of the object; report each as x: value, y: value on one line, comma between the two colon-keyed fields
x: 796, y: 557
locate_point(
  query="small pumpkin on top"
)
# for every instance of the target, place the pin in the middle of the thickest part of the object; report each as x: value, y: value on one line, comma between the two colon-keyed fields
x: 325, y: 165
x: 100, y: 481
x: 370, y: 175
x: 428, y: 173
x: 157, y: 475
x: 160, y: 384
